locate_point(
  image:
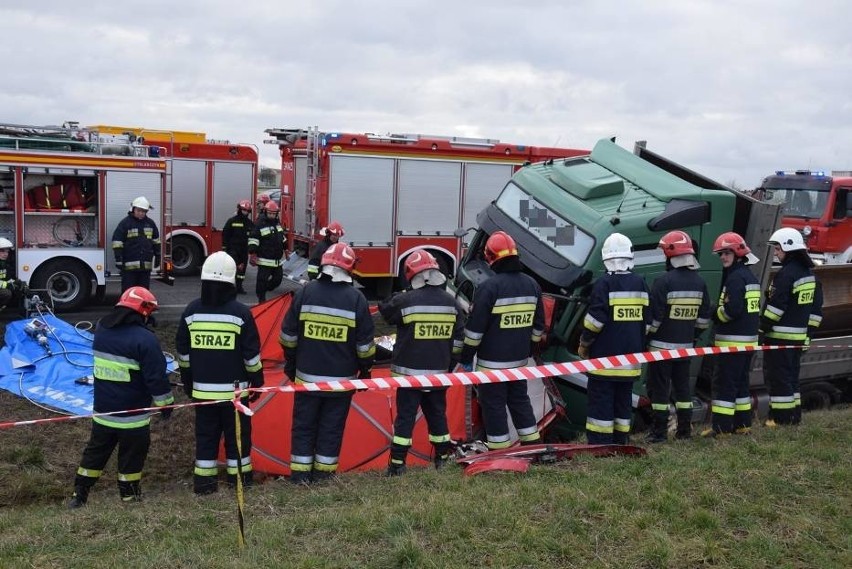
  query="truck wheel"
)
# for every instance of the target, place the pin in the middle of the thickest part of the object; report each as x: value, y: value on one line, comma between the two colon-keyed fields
x: 69, y: 284
x: 186, y: 256
x: 819, y: 396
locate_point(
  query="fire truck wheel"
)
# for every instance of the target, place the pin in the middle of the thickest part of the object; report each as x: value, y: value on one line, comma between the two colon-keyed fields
x: 68, y: 282
x: 186, y: 256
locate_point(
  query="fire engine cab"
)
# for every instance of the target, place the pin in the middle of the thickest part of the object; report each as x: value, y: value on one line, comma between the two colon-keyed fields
x: 393, y: 194
x: 818, y: 205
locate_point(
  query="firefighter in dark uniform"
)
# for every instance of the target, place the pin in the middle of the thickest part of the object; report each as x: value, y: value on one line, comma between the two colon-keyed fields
x: 504, y: 328
x: 135, y: 242
x: 330, y: 236
x: 130, y: 371
x: 737, y: 319
x: 680, y: 312
x: 266, y: 248
x: 219, y: 350
x: 793, y: 310
x: 12, y: 290
x: 262, y: 200
x: 614, y: 324
x: 235, y: 237
x: 327, y: 335
x: 429, y: 333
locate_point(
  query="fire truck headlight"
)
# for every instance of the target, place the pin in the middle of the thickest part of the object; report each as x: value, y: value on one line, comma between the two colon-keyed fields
x: 806, y: 230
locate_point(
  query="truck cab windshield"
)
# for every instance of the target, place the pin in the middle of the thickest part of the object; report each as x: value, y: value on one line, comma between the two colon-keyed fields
x: 550, y: 229
x: 798, y: 202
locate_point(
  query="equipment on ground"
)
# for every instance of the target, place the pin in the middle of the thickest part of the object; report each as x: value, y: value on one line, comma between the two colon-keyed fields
x: 38, y: 330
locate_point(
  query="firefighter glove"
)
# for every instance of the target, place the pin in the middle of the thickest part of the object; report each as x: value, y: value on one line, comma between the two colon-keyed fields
x: 253, y: 260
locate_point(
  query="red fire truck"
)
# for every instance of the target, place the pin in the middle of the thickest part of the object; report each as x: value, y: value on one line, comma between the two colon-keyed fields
x: 819, y: 206
x: 208, y: 178
x: 393, y: 193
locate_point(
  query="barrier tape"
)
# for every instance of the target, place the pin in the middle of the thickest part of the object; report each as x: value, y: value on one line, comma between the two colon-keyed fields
x: 450, y: 379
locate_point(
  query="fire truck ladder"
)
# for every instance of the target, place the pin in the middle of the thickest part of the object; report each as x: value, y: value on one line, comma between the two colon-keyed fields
x: 311, y: 174
x: 166, y: 245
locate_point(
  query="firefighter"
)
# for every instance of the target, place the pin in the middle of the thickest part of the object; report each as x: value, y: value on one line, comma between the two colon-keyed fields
x: 135, y: 242
x: 429, y: 333
x: 793, y: 309
x: 504, y: 328
x: 327, y: 335
x: 614, y: 324
x: 330, y: 235
x: 235, y: 237
x: 12, y: 290
x: 736, y: 324
x: 130, y: 371
x: 262, y: 200
x: 680, y: 312
x: 218, y: 349
x: 266, y: 248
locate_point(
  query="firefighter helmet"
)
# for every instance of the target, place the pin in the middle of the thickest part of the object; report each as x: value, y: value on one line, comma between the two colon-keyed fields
x: 788, y: 239
x: 5, y: 244
x: 140, y: 299
x: 499, y: 246
x: 141, y: 202
x: 418, y: 262
x: 333, y: 228
x: 263, y: 199
x: 272, y: 207
x: 675, y: 243
x: 617, y: 246
x: 340, y: 255
x: 733, y: 242
x: 244, y: 204
x: 219, y: 267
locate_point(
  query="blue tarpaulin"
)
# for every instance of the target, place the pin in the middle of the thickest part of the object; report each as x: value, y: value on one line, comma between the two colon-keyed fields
x: 28, y: 370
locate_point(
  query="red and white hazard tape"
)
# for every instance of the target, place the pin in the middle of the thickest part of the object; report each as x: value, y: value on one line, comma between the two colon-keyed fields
x: 455, y: 378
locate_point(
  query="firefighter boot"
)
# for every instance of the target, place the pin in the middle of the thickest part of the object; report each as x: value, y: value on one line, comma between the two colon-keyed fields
x: 442, y: 455
x: 129, y: 491
x: 248, y: 479
x: 396, y: 469
x: 79, y: 497
x: 261, y: 298
x: 684, y: 424
x: 321, y: 476
x: 301, y: 477
x: 658, y: 432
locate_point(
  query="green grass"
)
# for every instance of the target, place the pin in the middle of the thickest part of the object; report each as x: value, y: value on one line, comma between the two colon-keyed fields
x: 774, y: 499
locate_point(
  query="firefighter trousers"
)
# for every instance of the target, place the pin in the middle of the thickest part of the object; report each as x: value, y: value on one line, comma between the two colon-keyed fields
x: 212, y: 423
x: 434, y: 405
x: 318, y: 423
x: 731, y: 404
x: 135, y: 278
x: 494, y: 398
x: 781, y: 371
x: 133, y: 447
x: 610, y: 410
x: 667, y: 381
x: 240, y: 256
x: 268, y: 278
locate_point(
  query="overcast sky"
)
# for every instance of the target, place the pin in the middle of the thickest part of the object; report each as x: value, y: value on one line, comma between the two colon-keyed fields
x: 731, y: 89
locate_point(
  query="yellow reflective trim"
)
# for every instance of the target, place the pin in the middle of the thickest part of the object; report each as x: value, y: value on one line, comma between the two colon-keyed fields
x: 428, y: 317
x: 207, y: 326
x: 109, y: 370
x: 520, y: 307
x: 617, y: 372
x: 628, y: 302
x: 327, y: 318
x: 599, y: 429
x: 119, y: 425
x: 722, y: 410
x: 627, y: 313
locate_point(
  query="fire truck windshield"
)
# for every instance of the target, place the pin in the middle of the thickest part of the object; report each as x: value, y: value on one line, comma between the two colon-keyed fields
x: 798, y: 202
x: 555, y: 232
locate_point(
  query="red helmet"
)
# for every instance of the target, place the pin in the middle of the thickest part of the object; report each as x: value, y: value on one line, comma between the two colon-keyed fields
x: 244, y: 204
x: 263, y: 198
x: 139, y: 299
x: 418, y: 262
x: 340, y: 255
x: 333, y: 228
x: 499, y: 246
x: 732, y: 241
x: 676, y: 243
x: 272, y: 207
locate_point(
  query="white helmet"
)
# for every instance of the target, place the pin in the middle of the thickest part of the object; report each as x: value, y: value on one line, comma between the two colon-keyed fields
x: 6, y: 244
x: 219, y: 267
x: 788, y: 239
x: 617, y: 246
x: 141, y: 202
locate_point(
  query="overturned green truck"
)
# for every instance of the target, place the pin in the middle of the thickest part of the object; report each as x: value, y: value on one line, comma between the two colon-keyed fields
x: 560, y: 211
